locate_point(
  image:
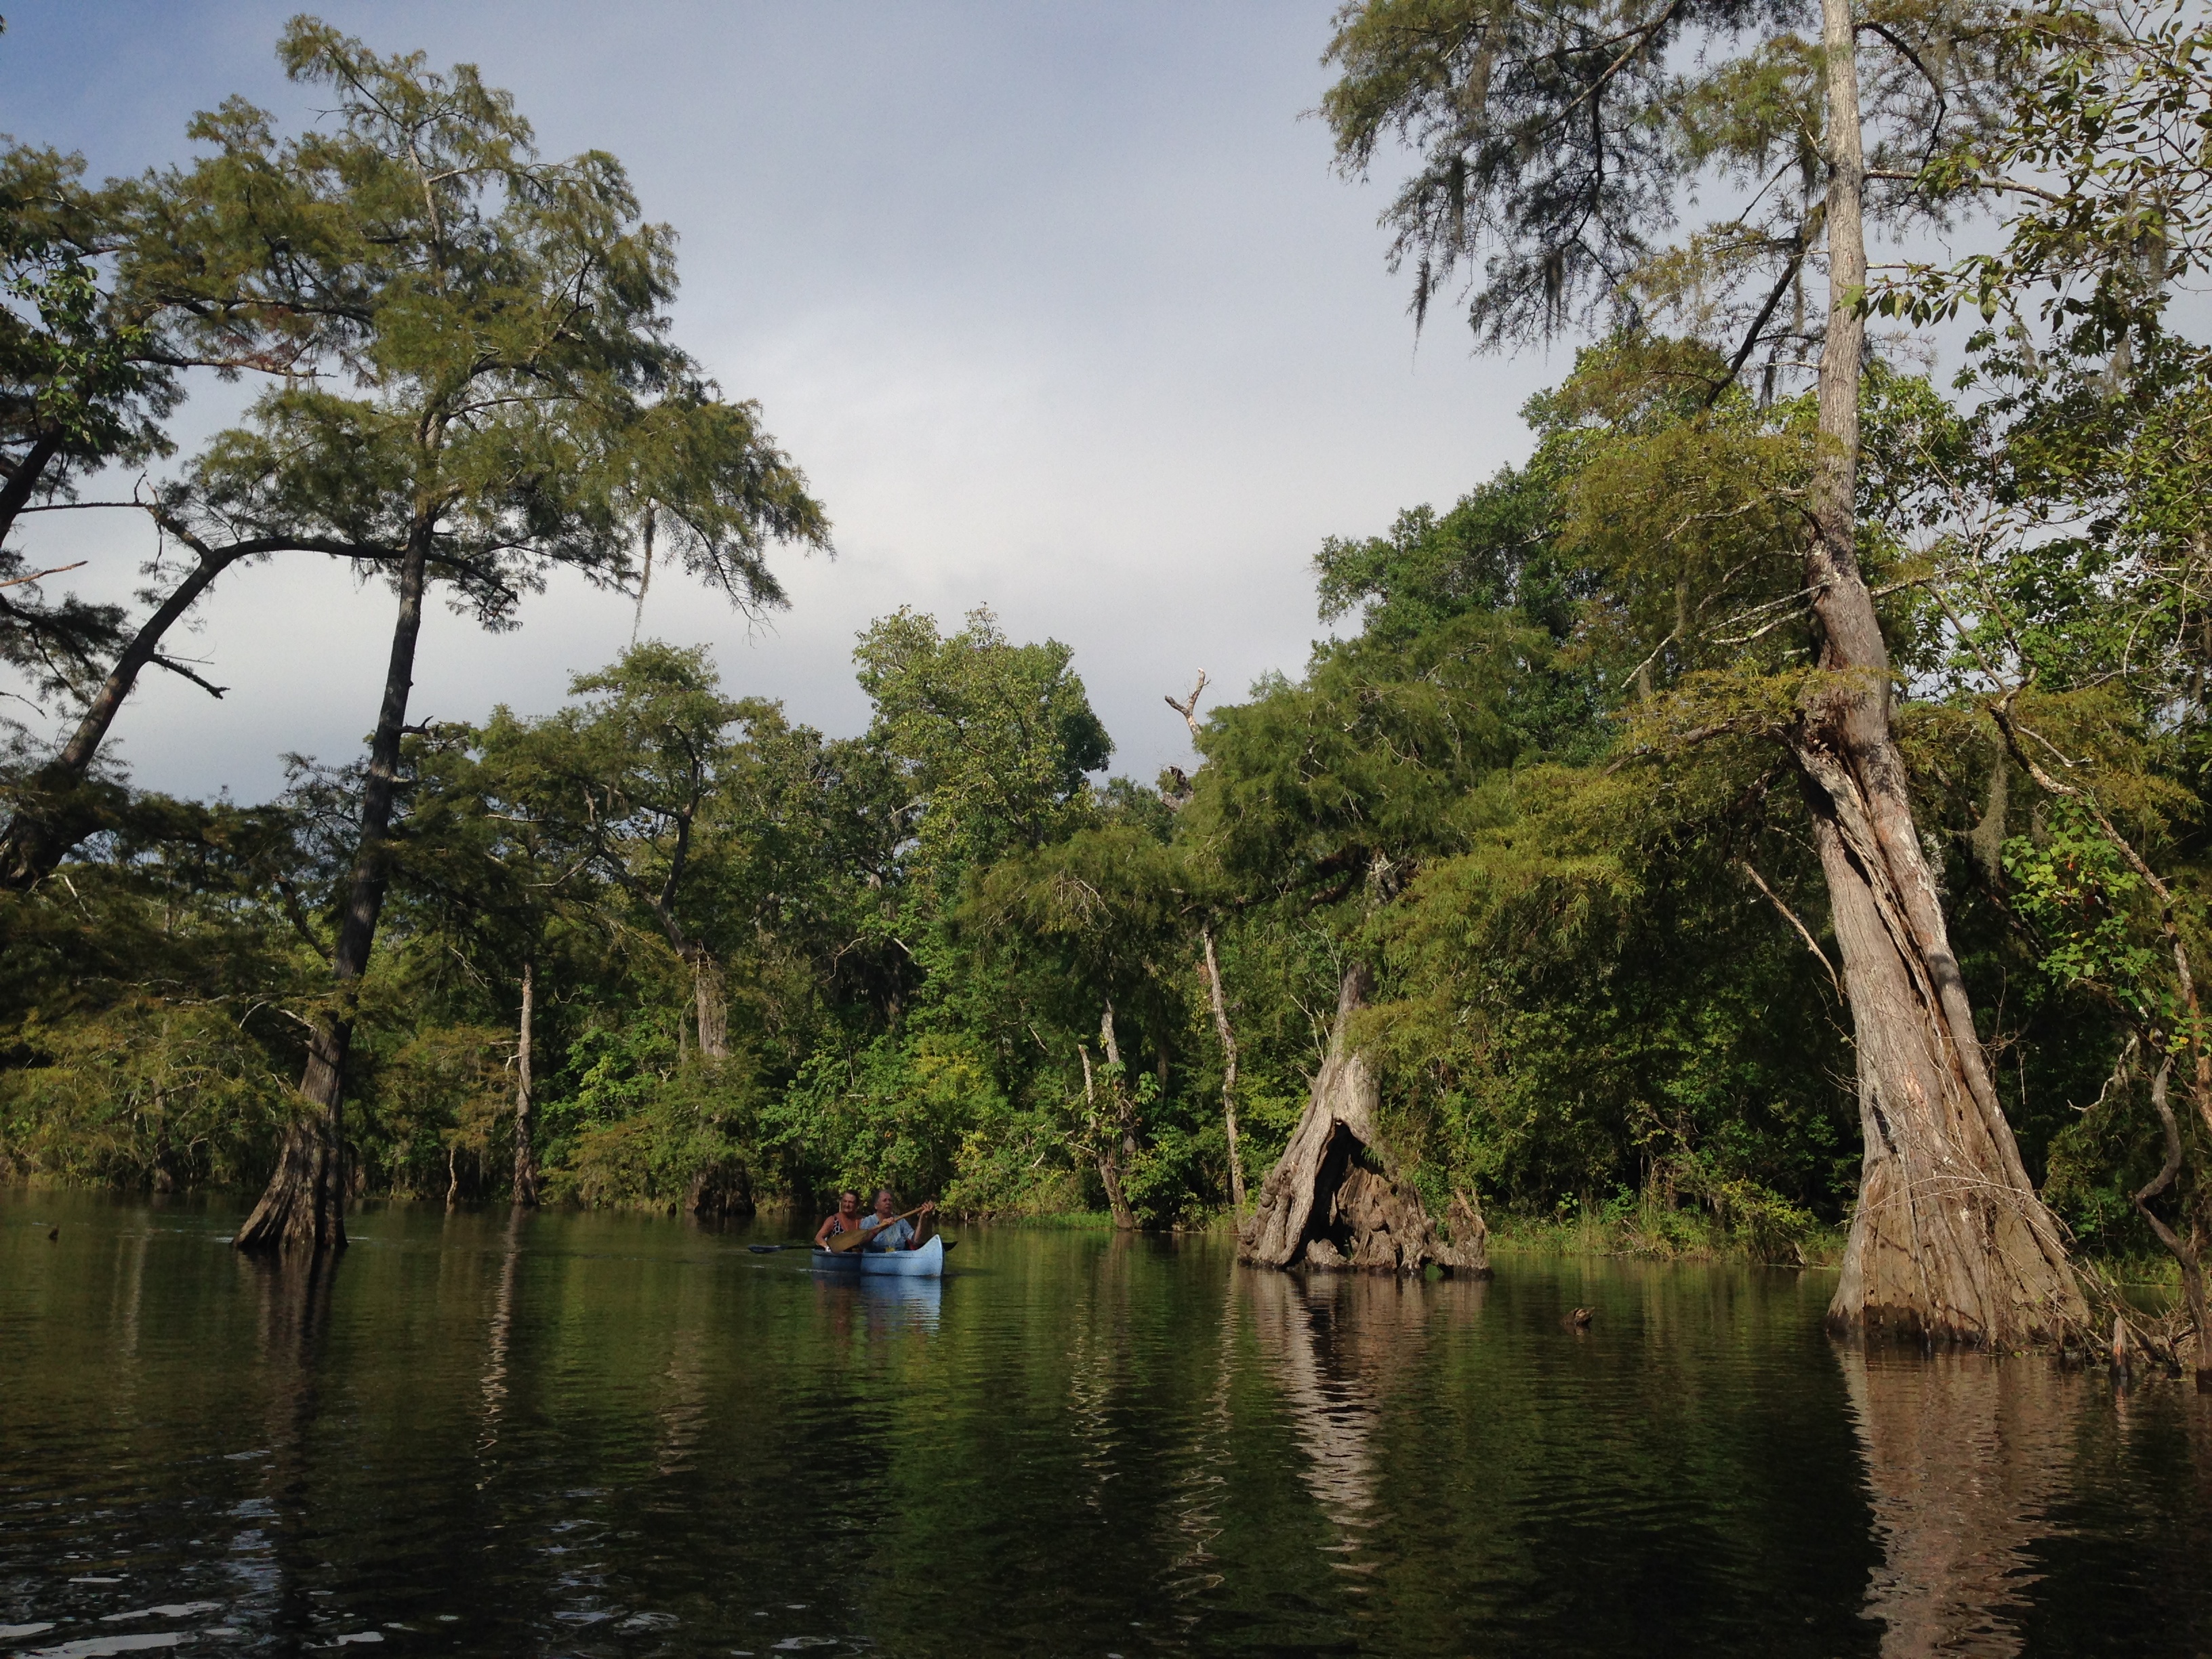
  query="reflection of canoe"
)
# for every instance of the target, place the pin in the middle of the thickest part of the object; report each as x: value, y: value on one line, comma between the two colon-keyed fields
x: 926, y: 1263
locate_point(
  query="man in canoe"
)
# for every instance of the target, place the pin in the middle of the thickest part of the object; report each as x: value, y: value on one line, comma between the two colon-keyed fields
x: 897, y: 1233
x: 848, y: 1218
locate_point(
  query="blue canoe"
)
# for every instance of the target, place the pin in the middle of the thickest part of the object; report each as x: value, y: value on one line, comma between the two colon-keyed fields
x: 926, y: 1262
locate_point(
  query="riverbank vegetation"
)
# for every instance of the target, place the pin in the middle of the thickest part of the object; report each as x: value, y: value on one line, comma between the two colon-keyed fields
x: 1796, y: 748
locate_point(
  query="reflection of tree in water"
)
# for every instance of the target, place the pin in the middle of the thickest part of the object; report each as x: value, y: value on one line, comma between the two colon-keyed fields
x: 294, y: 1299
x: 1965, y: 1456
x: 681, y: 1412
x: 1196, y: 1505
x: 503, y: 1327
x: 1335, y: 1344
x: 1097, y: 1351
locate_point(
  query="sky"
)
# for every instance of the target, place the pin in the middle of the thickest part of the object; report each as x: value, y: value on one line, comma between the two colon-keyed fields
x: 1062, y: 308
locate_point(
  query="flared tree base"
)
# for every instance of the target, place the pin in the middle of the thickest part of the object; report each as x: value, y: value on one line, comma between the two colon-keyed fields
x: 1938, y: 1257
x: 303, y: 1206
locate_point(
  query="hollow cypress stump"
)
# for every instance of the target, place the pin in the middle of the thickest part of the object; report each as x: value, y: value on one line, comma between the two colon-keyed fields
x: 1330, y: 1201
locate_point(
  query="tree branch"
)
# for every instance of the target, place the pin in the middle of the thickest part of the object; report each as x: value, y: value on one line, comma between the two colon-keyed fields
x: 1803, y: 931
x: 1942, y: 104
x: 1189, y: 709
x: 36, y: 575
x: 160, y: 660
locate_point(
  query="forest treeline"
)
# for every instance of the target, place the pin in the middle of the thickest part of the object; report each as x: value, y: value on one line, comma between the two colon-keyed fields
x: 1565, y: 791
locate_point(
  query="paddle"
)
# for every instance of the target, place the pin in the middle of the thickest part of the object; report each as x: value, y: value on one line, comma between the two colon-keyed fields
x: 843, y: 1241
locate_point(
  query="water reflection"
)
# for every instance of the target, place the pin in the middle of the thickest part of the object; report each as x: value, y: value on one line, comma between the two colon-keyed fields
x: 1335, y: 1345
x: 878, y: 1305
x: 502, y: 1324
x: 266, y: 1558
x: 1203, y: 1479
x: 1966, y: 1458
x: 681, y: 1416
x: 612, y: 1435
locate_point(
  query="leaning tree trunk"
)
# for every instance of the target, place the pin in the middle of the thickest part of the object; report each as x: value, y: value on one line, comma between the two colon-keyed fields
x: 525, y: 1106
x: 1949, y: 1242
x: 58, y: 812
x: 23, y: 484
x: 304, y: 1204
x: 1327, y: 1203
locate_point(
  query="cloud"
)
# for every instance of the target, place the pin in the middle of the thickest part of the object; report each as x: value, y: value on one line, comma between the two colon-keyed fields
x: 1061, y: 309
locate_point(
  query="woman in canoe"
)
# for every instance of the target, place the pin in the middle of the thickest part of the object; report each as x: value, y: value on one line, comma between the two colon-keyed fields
x: 898, y: 1232
x: 848, y: 1218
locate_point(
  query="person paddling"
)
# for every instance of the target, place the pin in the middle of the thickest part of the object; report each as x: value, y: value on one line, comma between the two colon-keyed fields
x: 848, y: 1218
x: 898, y: 1232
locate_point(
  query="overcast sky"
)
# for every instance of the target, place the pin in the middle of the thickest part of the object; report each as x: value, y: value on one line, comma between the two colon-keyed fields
x: 1059, y: 307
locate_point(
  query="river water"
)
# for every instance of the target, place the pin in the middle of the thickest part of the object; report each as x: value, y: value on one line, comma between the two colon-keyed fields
x: 620, y: 1435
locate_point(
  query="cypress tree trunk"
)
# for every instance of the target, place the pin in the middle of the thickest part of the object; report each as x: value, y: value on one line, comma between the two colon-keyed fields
x: 709, y: 994
x: 303, y: 1206
x: 1108, y: 1139
x: 1949, y: 1242
x: 1124, y: 1131
x: 525, y: 1157
x: 1228, y: 1037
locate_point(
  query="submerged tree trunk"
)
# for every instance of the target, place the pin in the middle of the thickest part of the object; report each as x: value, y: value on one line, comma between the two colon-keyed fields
x: 1228, y: 1037
x: 304, y: 1204
x: 59, y: 812
x: 1326, y: 1203
x: 1949, y: 1242
x: 526, y: 1155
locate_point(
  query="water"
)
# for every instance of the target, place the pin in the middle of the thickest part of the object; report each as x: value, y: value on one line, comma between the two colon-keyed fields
x: 615, y: 1435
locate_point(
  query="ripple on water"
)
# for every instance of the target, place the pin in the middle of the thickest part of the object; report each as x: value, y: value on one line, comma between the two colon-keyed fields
x: 97, y: 1647
x: 618, y: 1434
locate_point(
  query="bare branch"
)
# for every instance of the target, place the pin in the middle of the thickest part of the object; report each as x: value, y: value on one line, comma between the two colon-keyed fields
x: 160, y: 660
x: 17, y: 582
x: 1803, y: 931
x: 1188, y: 708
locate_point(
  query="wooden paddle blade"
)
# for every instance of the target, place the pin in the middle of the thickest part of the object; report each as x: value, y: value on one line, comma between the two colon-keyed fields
x: 854, y: 1241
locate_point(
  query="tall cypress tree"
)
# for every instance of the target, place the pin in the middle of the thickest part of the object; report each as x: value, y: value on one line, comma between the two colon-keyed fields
x: 1556, y: 143
x: 477, y: 387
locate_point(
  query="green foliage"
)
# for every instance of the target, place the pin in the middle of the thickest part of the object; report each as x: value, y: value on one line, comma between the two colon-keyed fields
x: 1554, y: 146
x: 2071, y: 886
x: 150, y: 1090
x: 911, y: 1116
x: 471, y: 344
x: 80, y: 387
x: 994, y: 738
x: 1533, y: 786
